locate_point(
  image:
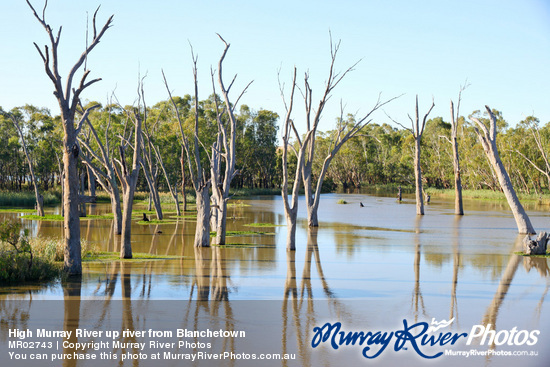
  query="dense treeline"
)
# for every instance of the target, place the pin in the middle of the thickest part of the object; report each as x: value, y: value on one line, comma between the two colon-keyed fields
x: 381, y: 154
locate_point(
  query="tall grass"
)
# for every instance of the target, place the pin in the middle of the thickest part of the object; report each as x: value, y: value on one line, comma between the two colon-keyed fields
x: 36, y: 265
x: 27, y: 198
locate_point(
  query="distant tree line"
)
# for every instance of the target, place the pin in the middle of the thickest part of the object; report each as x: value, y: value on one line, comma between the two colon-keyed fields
x: 381, y: 154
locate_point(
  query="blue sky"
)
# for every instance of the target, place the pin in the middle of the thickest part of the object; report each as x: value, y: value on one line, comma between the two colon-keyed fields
x: 427, y: 48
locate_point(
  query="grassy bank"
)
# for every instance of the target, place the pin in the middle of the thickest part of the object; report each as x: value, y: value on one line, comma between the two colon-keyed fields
x: 489, y: 195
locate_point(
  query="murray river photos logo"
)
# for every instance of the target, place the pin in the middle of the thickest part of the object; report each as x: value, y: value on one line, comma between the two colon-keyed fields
x: 425, y: 339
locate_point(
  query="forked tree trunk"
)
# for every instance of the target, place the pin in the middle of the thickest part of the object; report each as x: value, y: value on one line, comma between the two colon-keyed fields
x: 226, y: 143
x: 291, y: 229
x: 487, y: 137
x: 128, y: 179
x: 417, y: 130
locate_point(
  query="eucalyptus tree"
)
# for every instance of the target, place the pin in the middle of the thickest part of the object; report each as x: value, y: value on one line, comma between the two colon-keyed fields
x: 16, y: 117
x: 68, y: 97
x: 152, y: 147
x: 542, y: 143
x: 487, y: 136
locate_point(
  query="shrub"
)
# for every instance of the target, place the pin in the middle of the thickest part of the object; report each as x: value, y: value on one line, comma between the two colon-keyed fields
x: 21, y: 259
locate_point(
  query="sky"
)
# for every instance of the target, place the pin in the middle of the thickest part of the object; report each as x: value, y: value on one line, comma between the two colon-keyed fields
x: 404, y: 47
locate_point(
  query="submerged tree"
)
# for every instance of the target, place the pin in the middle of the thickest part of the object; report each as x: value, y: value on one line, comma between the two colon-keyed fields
x: 224, y: 147
x: 68, y: 97
x: 344, y: 131
x: 488, y: 139
x: 128, y: 176
x: 416, y: 131
x: 291, y: 208
x: 200, y: 182
x: 459, y: 208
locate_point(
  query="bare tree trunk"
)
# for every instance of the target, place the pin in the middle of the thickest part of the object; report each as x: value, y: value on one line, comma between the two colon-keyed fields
x: 127, y: 203
x: 418, y: 178
x: 68, y: 106
x: 459, y: 208
x: 150, y: 178
x: 128, y: 179
x: 487, y: 137
x: 202, y: 230
x: 91, y: 182
x: 82, y: 203
x: 71, y: 208
x: 183, y: 194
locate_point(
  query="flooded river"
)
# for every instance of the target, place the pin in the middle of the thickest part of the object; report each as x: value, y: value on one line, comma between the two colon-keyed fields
x: 376, y: 267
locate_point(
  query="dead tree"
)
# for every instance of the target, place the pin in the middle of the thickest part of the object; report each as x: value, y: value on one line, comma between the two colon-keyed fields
x: 38, y: 196
x: 459, y: 208
x: 416, y: 131
x: 291, y: 208
x: 536, y: 247
x: 106, y: 176
x: 343, y: 133
x: 68, y: 96
x: 200, y: 183
x: 149, y: 163
x: 224, y: 147
x: 128, y: 177
x: 488, y: 139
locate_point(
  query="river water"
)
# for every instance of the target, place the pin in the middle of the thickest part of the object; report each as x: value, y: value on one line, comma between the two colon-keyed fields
x: 377, y: 267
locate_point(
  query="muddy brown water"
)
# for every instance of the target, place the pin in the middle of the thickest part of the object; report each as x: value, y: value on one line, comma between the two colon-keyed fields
x: 369, y: 267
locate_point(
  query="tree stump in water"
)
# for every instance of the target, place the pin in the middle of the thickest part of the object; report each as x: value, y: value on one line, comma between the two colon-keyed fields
x: 399, y: 196
x: 145, y: 219
x: 536, y: 247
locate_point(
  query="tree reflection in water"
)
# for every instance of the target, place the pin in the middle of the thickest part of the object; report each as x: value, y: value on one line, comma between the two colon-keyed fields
x: 303, y: 329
